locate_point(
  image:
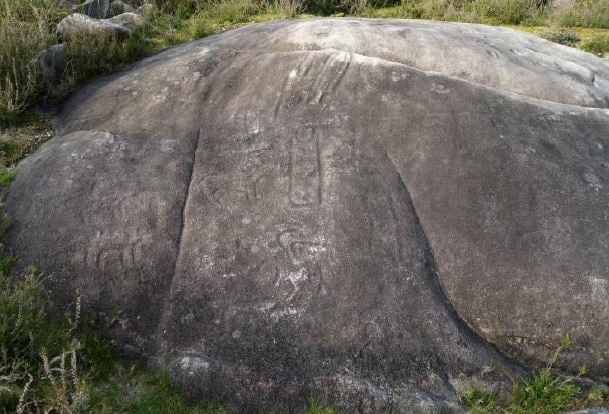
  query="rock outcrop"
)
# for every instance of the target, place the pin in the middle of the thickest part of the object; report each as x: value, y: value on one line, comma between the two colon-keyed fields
x: 51, y: 63
x: 78, y: 24
x: 370, y: 213
x: 129, y: 21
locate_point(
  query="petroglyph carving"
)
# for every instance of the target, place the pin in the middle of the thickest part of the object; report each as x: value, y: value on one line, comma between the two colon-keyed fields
x: 305, y: 168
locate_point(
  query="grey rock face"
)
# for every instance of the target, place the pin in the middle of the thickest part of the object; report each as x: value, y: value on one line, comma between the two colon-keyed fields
x: 76, y: 24
x: 51, y: 63
x: 592, y: 411
x: 129, y: 21
x: 371, y: 213
x: 97, y: 9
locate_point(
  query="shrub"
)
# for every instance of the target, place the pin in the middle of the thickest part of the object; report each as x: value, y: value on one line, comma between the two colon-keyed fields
x: 474, y: 11
x: 31, y: 381
x: 561, y: 36
x: 26, y: 28
x: 583, y: 13
x: 90, y: 55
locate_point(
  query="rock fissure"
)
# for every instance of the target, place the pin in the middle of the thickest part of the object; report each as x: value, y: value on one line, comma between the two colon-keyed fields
x: 162, y: 345
x: 435, y: 285
x: 186, y: 198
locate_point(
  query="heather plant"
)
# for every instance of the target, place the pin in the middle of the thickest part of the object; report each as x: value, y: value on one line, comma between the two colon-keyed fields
x: 561, y: 36
x: 26, y: 28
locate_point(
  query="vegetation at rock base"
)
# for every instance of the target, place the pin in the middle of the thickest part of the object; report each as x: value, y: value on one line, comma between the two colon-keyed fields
x: 58, y: 365
x: 51, y: 363
x: 598, y: 44
x: 544, y: 392
x: 17, y: 141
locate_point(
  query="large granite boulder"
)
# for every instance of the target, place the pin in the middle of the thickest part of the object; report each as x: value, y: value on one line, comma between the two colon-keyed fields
x: 370, y: 213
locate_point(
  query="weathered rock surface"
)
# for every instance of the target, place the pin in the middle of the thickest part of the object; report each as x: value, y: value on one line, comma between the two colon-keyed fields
x: 51, y: 63
x: 356, y: 211
x: 592, y: 411
x: 129, y: 21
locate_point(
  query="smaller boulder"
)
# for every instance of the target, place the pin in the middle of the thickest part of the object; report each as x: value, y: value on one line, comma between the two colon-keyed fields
x: 129, y: 21
x: 94, y: 8
x: 118, y: 7
x: 78, y: 24
x: 51, y: 63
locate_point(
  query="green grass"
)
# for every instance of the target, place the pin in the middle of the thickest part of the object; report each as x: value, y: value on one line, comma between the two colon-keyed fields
x: 543, y: 392
x: 54, y: 364
x: 27, y: 27
x: 479, y: 401
x: 597, y: 44
x: 19, y: 140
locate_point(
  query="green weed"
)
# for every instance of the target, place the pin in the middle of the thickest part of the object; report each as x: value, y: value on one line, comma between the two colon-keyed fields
x: 18, y: 141
x: 478, y: 401
x: 57, y: 364
x: 544, y: 392
x: 316, y: 408
x: 597, y: 44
